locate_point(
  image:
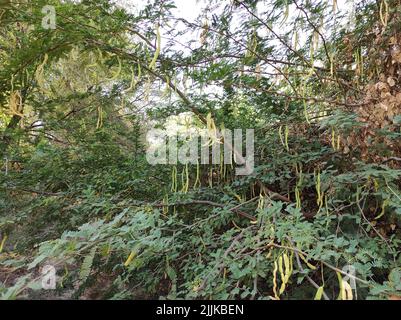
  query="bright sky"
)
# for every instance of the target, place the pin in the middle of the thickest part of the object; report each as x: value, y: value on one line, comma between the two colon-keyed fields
x: 191, y: 9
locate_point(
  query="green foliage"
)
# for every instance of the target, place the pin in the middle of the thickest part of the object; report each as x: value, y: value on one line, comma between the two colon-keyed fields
x: 78, y: 193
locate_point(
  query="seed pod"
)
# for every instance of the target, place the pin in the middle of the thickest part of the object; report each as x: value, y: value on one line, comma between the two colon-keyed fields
x: 384, y: 13
x: 152, y: 65
x: 39, y: 73
x: 130, y: 258
x: 275, y: 280
x: 319, y: 293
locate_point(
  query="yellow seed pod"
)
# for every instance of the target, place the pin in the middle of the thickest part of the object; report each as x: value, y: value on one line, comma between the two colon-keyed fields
x: 310, y: 266
x: 261, y: 202
x: 306, y: 111
x: 212, y: 131
x: 297, y: 197
x: 384, y: 12
x: 315, y: 39
x: 204, y: 33
x: 118, y: 72
x: 280, y: 133
x: 134, y: 80
x: 130, y: 258
x: 3, y: 243
x: 296, y: 36
x: 165, y: 202
x: 383, y: 209
x: 152, y: 65
x: 319, y: 293
x: 280, y: 266
x: 269, y: 254
x: 186, y: 180
x: 287, y: 267
x: 319, y: 200
x: 100, y: 117
x: 338, y: 142
x: 286, y: 12
x: 39, y: 73
x: 174, y: 179
x: 345, y: 289
x: 286, y: 138
x: 258, y: 72
x: 275, y: 280
x: 15, y: 104
x: 211, y: 177
x: 333, y: 139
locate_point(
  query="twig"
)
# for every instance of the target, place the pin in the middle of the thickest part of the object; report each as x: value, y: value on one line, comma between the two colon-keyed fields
x: 209, y: 203
x: 313, y: 283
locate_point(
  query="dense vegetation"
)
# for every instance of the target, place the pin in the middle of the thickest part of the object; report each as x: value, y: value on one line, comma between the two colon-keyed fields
x: 318, y: 80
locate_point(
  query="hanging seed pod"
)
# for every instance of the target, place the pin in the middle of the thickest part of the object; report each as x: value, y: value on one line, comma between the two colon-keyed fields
x: 134, y: 80
x: 118, y: 72
x: 338, y: 142
x: 15, y: 103
x: 99, y: 117
x: 152, y: 65
x: 298, y: 186
x: 167, y: 89
x: 261, y: 202
x: 319, y: 293
x: 286, y: 271
x: 130, y: 258
x: 185, y: 179
x: 148, y: 88
x: 3, y: 241
x: 275, y: 280
x: 221, y: 166
x: 297, y: 198
x: 258, y: 72
x: 320, y: 194
x: 174, y: 179
x: 286, y: 13
x: 286, y: 133
x: 252, y: 45
x: 39, y: 73
x: 310, y: 266
x: 165, y: 202
x: 384, y: 12
x: 204, y: 33
x: 345, y: 289
x: 197, y: 180
x: 212, y: 131
x: 315, y: 41
x: 296, y: 36
x: 333, y: 139
x: 303, y: 91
